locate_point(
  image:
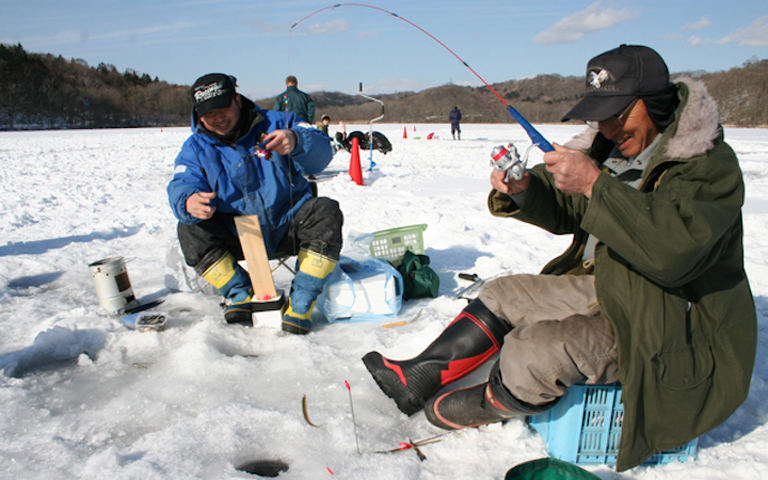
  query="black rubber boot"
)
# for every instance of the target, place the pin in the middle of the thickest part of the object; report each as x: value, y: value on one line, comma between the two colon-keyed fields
x: 472, y: 338
x: 481, y: 404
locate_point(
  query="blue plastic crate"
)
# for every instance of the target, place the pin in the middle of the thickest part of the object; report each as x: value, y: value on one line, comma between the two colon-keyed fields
x: 584, y: 428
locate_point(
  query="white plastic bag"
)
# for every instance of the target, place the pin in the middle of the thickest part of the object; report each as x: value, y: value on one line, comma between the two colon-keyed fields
x: 362, y: 289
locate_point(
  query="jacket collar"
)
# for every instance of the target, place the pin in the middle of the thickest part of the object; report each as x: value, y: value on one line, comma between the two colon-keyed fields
x: 694, y: 131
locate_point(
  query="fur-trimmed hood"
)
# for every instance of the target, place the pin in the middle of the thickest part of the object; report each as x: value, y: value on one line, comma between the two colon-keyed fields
x: 694, y: 131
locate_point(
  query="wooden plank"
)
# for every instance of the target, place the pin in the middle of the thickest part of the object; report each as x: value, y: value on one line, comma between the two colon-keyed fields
x: 252, y: 241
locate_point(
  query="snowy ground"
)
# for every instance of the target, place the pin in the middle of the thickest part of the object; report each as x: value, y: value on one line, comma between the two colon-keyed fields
x: 83, y: 397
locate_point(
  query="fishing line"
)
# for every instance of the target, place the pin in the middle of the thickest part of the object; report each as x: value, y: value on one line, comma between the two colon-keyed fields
x: 536, y: 137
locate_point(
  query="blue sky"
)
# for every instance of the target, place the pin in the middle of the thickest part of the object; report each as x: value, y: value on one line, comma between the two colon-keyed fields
x: 335, y: 49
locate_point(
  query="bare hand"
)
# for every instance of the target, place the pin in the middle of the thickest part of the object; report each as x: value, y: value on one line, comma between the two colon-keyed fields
x: 573, y: 171
x: 280, y: 141
x: 512, y: 186
x: 198, y: 205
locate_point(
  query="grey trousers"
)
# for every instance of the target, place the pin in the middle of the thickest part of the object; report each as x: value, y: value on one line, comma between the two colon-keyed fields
x: 559, y: 336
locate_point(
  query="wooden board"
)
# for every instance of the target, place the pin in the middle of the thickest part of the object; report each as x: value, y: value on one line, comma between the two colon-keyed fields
x: 252, y: 241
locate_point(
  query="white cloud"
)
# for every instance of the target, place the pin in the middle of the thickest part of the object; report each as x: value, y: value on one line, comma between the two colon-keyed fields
x: 755, y: 35
x: 592, y: 19
x: 696, y: 41
x: 701, y: 24
x: 166, y: 30
x: 264, y: 27
x: 334, y: 26
x: 70, y: 37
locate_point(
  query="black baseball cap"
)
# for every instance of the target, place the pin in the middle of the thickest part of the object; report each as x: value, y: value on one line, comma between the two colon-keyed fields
x: 617, y: 77
x: 211, y: 91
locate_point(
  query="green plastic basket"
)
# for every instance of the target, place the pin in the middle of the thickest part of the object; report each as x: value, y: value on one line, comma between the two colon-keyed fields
x: 392, y: 243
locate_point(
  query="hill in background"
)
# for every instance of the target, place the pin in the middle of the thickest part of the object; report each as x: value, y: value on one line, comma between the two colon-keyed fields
x: 43, y: 91
x: 741, y: 93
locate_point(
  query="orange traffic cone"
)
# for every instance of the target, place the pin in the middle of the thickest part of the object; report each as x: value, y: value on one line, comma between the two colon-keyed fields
x: 355, y: 171
x: 405, y: 132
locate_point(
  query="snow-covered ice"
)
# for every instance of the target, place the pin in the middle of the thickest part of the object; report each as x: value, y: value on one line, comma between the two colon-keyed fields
x: 81, y: 396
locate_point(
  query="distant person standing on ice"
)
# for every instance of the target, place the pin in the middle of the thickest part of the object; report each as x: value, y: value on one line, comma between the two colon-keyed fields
x: 325, y: 122
x: 296, y: 101
x: 651, y: 292
x: 455, y: 117
x: 242, y: 160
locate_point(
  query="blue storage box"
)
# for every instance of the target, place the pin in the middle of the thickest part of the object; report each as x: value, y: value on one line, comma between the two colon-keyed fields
x: 584, y: 428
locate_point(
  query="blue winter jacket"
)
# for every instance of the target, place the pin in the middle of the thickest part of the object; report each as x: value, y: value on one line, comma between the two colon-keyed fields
x: 246, y: 184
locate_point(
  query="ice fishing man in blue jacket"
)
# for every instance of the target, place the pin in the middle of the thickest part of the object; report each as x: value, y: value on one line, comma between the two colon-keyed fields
x: 242, y: 160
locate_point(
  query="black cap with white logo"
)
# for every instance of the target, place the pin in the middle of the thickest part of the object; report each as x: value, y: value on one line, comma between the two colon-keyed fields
x: 211, y: 91
x: 617, y: 77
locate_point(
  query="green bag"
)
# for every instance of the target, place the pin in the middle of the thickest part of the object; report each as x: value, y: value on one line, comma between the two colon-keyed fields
x: 548, y: 469
x: 419, y: 280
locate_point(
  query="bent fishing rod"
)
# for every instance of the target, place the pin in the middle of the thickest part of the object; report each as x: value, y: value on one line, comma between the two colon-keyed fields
x: 536, y: 137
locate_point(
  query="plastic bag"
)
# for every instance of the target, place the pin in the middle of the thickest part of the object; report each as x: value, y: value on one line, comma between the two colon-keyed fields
x: 361, y: 289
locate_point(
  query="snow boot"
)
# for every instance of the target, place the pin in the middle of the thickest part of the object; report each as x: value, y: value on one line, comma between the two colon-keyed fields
x: 314, y: 269
x: 466, y: 343
x: 232, y: 282
x: 481, y: 404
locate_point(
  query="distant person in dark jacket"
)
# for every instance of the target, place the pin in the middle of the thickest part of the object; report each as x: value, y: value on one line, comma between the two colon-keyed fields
x: 325, y: 122
x: 296, y: 101
x: 455, y: 118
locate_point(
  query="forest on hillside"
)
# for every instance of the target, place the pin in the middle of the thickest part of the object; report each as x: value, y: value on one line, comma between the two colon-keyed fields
x: 43, y: 91
x: 46, y: 91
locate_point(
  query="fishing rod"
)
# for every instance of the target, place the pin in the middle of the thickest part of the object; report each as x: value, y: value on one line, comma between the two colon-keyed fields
x: 536, y: 137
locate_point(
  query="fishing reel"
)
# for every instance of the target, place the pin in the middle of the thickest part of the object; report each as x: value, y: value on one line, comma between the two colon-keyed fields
x: 260, y: 150
x: 506, y: 158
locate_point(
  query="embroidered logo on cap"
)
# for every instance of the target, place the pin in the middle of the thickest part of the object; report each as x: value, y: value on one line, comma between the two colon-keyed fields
x: 208, y: 92
x: 597, y: 79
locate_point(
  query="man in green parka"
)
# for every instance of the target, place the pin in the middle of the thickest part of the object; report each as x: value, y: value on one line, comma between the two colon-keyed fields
x: 651, y: 292
x: 296, y: 101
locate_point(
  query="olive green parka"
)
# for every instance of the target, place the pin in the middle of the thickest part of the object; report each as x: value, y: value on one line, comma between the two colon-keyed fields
x: 669, y: 275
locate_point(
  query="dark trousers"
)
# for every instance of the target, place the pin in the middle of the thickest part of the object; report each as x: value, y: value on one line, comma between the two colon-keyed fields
x: 316, y: 226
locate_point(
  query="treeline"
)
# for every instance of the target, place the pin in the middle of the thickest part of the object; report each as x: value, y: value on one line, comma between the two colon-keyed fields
x: 44, y: 91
